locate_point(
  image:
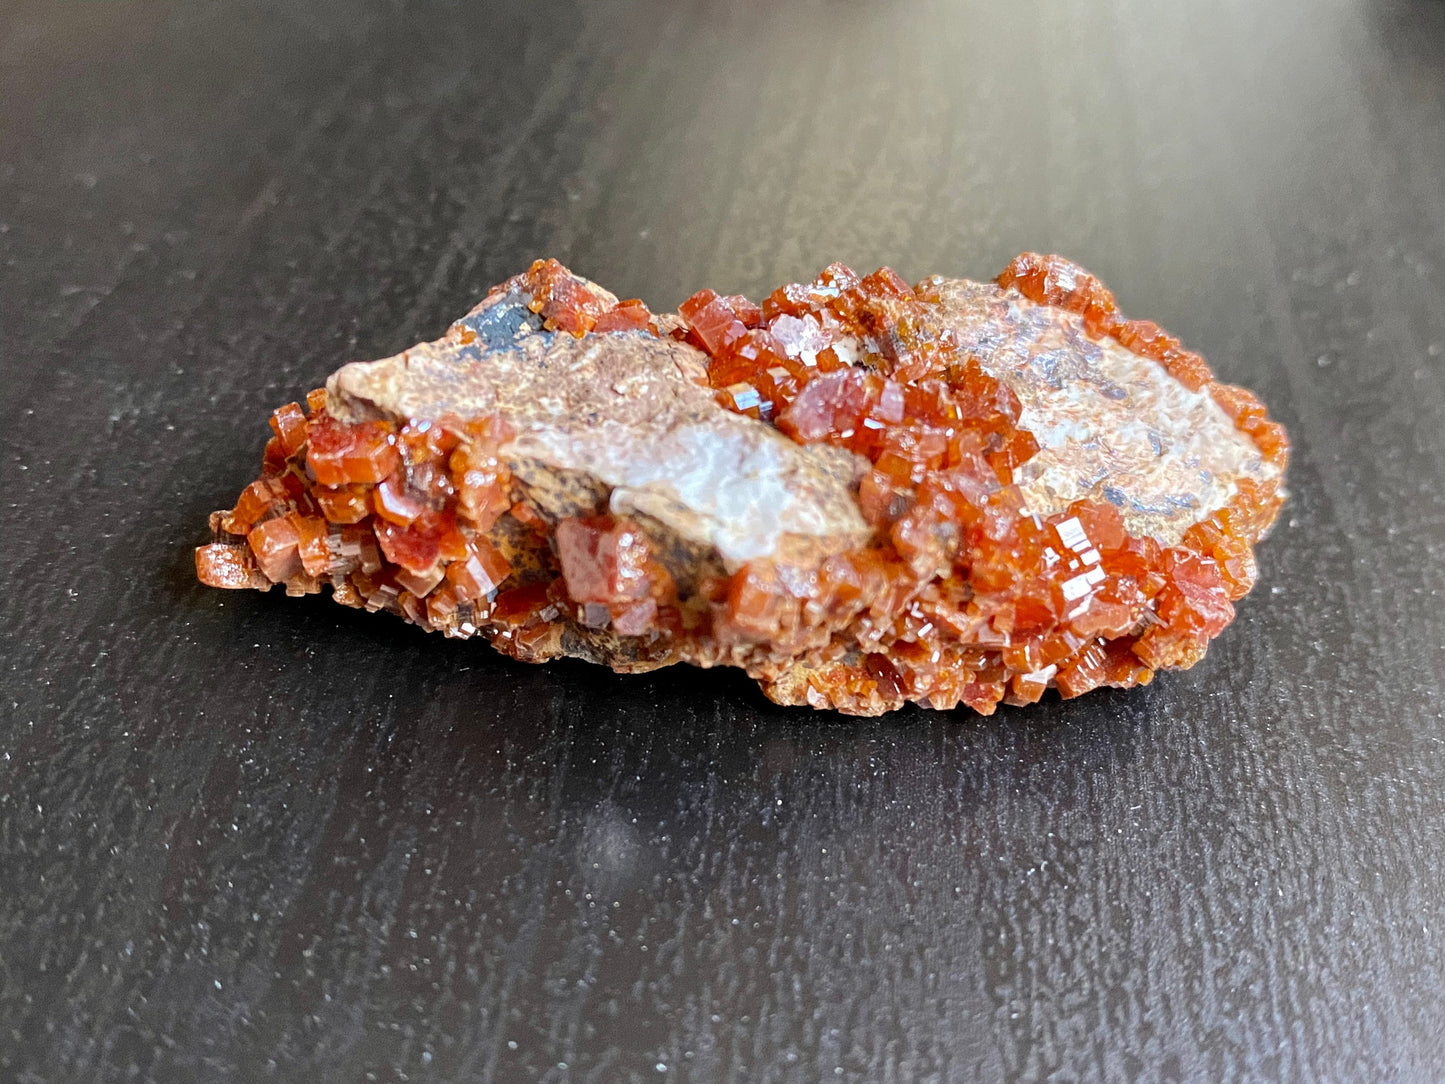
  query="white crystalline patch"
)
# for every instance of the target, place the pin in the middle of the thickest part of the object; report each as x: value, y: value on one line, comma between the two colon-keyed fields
x: 1077, y: 587
x: 745, y: 396
x: 638, y: 424
x: 743, y: 491
x: 1071, y: 533
x: 720, y: 482
x: 848, y: 349
x: 1111, y: 426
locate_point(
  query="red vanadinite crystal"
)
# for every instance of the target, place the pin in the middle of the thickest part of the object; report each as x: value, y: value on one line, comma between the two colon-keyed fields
x: 479, y: 573
x: 343, y: 504
x: 275, y: 545
x: 421, y: 544
x: 311, y: 545
x: 520, y: 605
x: 608, y: 562
x: 630, y: 315
x: 289, y: 425
x: 481, y: 480
x: 1053, y: 280
x: 339, y: 454
x: 568, y: 302
x: 562, y: 299
x: 228, y: 565
x: 394, y: 504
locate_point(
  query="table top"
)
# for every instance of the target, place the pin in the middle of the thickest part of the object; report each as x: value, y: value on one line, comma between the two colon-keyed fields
x: 251, y: 837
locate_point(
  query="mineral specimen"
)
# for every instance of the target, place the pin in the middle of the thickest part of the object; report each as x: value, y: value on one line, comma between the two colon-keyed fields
x: 860, y: 492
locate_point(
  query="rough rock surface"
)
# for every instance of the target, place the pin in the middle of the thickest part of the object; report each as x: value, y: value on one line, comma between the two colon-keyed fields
x: 1107, y: 421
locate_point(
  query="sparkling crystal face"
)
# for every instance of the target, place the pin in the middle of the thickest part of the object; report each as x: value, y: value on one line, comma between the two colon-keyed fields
x: 862, y: 492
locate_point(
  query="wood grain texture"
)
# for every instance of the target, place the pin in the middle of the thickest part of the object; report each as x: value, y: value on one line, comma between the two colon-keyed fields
x: 251, y: 838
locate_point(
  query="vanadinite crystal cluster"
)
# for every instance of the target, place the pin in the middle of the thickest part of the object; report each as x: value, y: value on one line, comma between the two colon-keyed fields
x: 859, y: 491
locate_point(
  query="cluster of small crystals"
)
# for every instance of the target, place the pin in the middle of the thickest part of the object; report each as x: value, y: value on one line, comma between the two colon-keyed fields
x: 418, y: 519
x: 961, y: 596
x: 567, y: 302
x: 400, y: 518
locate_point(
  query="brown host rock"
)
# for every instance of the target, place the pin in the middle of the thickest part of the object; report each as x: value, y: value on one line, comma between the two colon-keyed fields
x: 861, y: 492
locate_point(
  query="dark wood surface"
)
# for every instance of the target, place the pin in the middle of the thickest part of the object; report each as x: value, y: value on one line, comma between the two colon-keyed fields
x: 244, y: 837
